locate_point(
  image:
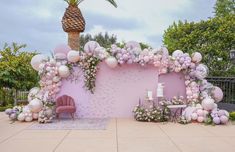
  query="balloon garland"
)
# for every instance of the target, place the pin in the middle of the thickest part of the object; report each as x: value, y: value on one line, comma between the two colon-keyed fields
x: 53, y: 70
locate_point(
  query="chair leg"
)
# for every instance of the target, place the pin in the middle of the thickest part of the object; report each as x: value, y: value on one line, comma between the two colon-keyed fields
x: 58, y: 116
x: 72, y: 115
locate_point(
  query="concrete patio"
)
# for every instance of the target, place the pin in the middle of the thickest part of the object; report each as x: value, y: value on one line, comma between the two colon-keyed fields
x: 121, y: 135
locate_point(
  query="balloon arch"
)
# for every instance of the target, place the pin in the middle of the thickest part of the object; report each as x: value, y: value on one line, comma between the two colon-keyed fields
x: 201, y: 96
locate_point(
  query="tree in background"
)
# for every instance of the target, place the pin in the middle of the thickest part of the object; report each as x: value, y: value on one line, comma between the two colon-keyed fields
x: 15, y: 68
x: 105, y: 40
x: 214, y: 38
x: 224, y: 8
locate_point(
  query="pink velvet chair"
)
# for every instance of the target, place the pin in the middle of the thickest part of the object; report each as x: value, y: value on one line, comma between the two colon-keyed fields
x: 65, y: 104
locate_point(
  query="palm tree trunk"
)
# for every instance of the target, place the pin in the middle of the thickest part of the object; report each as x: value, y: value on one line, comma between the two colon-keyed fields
x: 73, y: 40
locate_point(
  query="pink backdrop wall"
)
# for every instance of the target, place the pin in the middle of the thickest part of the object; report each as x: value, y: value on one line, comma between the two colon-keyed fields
x: 118, y: 90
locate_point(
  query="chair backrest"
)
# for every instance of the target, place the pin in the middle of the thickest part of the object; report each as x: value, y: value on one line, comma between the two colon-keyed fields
x: 65, y: 100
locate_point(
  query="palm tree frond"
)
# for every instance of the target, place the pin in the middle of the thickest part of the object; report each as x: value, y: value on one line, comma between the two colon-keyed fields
x: 73, y: 2
x: 112, y: 2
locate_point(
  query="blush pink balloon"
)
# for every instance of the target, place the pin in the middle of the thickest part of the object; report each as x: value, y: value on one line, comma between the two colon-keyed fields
x: 200, y: 119
x: 217, y: 94
x: 224, y: 119
x: 61, y: 49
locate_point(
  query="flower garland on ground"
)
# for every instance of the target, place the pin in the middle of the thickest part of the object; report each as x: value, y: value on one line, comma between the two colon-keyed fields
x: 52, y: 71
x: 152, y: 113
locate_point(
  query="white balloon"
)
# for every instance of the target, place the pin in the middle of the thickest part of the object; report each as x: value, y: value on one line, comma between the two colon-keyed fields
x: 35, y: 105
x: 21, y: 117
x: 201, y: 71
x: 196, y: 57
x: 111, y: 62
x: 32, y: 93
x: 177, y: 53
x: 91, y: 46
x: 73, y: 56
x: 37, y: 60
x: 64, y: 71
x: 208, y: 104
x: 28, y: 118
x: 187, y: 113
x: 194, y: 116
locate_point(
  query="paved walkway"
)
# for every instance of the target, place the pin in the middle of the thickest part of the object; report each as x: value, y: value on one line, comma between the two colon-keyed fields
x: 122, y: 135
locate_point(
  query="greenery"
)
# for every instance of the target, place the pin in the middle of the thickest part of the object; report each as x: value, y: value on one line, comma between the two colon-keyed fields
x: 16, y: 72
x: 15, y: 68
x: 6, y: 97
x: 224, y: 8
x: 77, y: 2
x: 232, y: 116
x: 214, y: 38
x: 5, y: 107
x: 105, y: 40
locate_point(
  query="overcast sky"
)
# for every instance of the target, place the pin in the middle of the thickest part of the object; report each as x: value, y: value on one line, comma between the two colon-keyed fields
x: 37, y: 23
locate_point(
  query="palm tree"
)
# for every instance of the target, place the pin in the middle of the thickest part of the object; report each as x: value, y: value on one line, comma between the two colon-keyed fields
x: 73, y: 22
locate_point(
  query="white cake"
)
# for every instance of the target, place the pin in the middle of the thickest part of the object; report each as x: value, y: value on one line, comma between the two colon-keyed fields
x: 159, y: 90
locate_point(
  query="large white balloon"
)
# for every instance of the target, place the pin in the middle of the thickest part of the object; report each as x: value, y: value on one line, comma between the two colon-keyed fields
x: 37, y: 60
x: 196, y: 57
x: 111, y: 62
x: 73, y: 56
x: 32, y: 93
x: 64, y: 71
x: 208, y: 104
x: 35, y: 105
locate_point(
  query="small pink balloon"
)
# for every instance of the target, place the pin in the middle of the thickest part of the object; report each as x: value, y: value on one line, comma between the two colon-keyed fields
x: 224, y: 119
x: 200, y: 112
x: 200, y: 119
x: 146, y: 58
x: 189, y: 93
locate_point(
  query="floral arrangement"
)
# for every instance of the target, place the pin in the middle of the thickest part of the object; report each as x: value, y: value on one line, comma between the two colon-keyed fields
x: 90, y: 69
x: 151, y: 114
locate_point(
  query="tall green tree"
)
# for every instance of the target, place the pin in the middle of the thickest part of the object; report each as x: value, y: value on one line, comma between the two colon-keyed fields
x: 105, y: 40
x: 214, y: 38
x: 224, y: 8
x: 15, y: 68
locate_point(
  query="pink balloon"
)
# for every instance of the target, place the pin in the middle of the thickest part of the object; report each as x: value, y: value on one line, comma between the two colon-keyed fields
x: 224, y: 119
x: 61, y: 49
x: 217, y: 94
x: 200, y: 119
x: 200, y: 112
